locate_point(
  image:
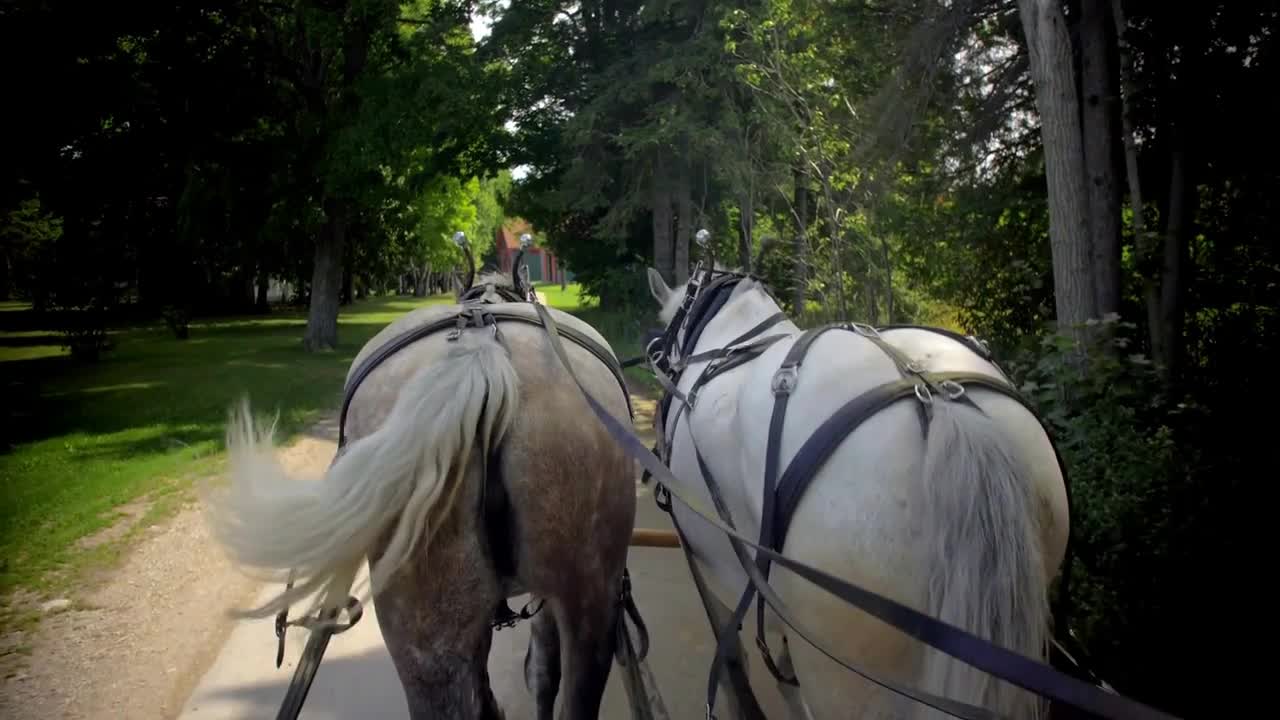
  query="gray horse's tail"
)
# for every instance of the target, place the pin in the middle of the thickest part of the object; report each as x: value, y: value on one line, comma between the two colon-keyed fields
x: 986, y: 573
x: 405, y: 475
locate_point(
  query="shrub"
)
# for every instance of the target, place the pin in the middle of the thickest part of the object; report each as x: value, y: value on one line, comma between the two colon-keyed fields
x: 178, y: 319
x: 1132, y: 479
x: 84, y: 329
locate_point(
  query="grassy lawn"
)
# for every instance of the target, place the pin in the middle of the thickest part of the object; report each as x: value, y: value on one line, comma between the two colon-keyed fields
x: 86, y: 442
x: 624, y: 331
x: 145, y: 420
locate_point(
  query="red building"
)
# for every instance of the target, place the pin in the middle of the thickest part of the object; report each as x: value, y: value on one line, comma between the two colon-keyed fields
x: 543, y: 264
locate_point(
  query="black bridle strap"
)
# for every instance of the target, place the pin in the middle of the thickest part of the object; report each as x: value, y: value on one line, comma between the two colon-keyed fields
x: 1008, y: 665
x: 729, y: 346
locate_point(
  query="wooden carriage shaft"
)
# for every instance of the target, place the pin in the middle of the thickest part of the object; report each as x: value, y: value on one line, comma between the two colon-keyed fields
x: 654, y: 537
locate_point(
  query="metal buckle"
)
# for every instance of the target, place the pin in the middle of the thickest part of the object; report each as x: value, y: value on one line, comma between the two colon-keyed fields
x: 864, y: 329
x: 456, y: 332
x: 923, y: 394
x: 953, y: 389
x: 662, y: 497
x: 785, y: 380
x: 281, y: 626
x: 982, y: 345
x: 772, y: 666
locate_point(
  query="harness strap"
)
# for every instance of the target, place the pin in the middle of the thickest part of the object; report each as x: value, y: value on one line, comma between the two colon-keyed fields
x: 784, y: 383
x: 720, y: 352
x: 780, y: 498
x: 467, y: 316
x: 1006, y: 664
x: 721, y: 360
x: 495, y: 504
x: 731, y: 358
x: 636, y: 449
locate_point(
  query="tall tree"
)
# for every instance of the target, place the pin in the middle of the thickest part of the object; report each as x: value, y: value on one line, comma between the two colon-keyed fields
x: 1054, y: 77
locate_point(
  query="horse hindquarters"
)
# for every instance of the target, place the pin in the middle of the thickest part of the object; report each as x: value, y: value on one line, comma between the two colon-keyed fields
x: 987, y: 572
x: 948, y: 524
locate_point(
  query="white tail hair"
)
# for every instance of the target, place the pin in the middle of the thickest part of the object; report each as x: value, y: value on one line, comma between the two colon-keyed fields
x: 406, y: 473
x: 986, y: 572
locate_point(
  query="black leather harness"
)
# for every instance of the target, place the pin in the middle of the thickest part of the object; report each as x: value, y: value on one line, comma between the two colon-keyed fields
x: 476, y: 311
x: 1083, y: 694
x: 783, y: 489
x: 499, y: 522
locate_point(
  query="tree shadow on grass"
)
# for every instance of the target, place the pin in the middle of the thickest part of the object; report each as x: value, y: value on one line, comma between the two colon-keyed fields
x: 22, y: 341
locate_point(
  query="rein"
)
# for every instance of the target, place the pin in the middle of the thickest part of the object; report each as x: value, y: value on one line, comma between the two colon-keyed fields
x: 474, y: 313
x: 707, y: 295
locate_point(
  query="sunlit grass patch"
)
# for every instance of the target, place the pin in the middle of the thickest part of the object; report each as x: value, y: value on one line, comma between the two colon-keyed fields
x: 86, y: 439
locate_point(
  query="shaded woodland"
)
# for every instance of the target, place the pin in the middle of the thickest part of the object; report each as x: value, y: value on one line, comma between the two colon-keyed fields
x: 1090, y: 186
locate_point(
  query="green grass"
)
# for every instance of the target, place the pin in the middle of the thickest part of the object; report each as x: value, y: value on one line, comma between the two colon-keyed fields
x: 145, y: 421
x: 149, y: 418
x: 624, y: 330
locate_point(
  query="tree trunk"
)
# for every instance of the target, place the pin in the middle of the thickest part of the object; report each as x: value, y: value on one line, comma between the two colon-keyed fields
x: 746, y: 218
x: 662, y: 245
x: 684, y: 230
x: 264, y: 287
x: 1098, y: 119
x: 1052, y: 74
x: 326, y: 282
x: 1126, y: 124
x: 888, y: 279
x: 837, y: 262
x: 1167, y: 330
x: 801, y: 244
x: 348, y: 284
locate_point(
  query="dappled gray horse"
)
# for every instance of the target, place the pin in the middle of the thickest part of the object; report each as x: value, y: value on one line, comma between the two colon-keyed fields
x: 474, y: 421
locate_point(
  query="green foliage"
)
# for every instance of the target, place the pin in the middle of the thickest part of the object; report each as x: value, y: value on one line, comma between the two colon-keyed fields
x: 28, y: 235
x: 1150, y: 505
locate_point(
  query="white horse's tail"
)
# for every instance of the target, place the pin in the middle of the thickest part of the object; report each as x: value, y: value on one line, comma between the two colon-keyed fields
x: 406, y: 473
x: 985, y: 569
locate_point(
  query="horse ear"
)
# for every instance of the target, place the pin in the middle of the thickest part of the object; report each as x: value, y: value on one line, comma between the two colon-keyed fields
x: 658, y: 287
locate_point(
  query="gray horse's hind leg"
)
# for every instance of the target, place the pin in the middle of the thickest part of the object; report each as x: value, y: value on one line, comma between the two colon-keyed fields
x: 587, y: 643
x: 542, y: 663
x: 438, y: 632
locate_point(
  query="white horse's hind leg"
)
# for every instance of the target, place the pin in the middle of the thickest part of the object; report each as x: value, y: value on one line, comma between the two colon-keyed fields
x: 790, y: 693
x: 827, y: 690
x: 735, y: 681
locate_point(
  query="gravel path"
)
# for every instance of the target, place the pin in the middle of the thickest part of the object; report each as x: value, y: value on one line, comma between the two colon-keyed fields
x: 135, y: 645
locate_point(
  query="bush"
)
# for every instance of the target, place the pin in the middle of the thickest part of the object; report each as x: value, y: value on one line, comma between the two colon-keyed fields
x: 1134, y: 482
x: 178, y: 319
x: 84, y: 329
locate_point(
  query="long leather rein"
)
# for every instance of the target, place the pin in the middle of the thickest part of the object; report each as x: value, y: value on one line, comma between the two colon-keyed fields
x: 1010, y: 666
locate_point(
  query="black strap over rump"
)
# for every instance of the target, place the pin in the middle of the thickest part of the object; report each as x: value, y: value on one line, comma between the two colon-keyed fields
x: 469, y: 315
x: 781, y: 495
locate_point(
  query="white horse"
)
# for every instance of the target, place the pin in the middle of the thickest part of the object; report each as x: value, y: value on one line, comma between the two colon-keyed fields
x: 968, y: 525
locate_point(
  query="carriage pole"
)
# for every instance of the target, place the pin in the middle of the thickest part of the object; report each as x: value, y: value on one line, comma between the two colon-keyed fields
x: 655, y: 538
